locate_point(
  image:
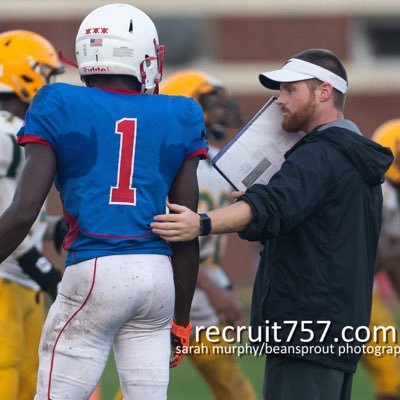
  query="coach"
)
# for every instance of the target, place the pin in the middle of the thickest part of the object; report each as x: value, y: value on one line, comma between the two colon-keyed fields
x: 319, y: 219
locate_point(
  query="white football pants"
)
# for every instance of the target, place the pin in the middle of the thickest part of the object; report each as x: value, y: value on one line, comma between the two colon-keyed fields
x: 126, y: 301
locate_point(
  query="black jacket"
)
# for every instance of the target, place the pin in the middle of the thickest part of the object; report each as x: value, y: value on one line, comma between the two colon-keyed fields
x: 319, y: 219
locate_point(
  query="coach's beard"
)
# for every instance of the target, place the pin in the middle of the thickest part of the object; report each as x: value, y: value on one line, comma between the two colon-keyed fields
x: 296, y: 121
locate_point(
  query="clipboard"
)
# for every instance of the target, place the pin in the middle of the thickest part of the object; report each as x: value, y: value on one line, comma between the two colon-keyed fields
x: 257, y: 152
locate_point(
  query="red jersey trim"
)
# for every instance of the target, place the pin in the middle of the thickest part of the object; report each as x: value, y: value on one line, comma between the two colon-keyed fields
x: 72, y: 234
x: 25, y: 139
x: 73, y: 231
x: 202, y: 153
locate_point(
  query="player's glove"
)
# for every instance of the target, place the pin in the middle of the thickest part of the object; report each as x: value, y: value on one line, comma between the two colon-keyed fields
x: 40, y: 269
x: 60, y: 231
x: 179, y: 342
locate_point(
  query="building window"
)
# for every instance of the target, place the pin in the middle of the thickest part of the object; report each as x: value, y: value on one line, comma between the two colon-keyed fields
x: 377, y: 38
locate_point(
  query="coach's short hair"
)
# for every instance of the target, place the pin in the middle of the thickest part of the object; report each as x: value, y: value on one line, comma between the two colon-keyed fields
x: 328, y: 60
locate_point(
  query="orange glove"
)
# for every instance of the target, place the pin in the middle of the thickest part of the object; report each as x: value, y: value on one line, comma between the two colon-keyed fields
x: 179, y: 338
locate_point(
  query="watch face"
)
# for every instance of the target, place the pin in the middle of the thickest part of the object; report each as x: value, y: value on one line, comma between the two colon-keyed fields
x: 205, y: 224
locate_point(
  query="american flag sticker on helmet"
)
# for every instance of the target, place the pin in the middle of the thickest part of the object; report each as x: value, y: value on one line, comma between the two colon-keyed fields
x: 96, y: 42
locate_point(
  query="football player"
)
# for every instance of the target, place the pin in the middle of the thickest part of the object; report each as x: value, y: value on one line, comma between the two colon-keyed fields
x: 27, y: 62
x: 385, y: 370
x: 116, y: 152
x: 214, y: 302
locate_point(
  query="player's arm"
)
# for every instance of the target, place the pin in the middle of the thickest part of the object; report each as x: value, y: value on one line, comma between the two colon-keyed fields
x: 185, y: 257
x: 223, y: 300
x: 32, y: 188
x: 185, y: 261
x: 394, y: 277
x: 388, y: 259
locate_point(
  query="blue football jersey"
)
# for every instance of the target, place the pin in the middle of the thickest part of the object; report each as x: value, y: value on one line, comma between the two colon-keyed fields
x: 118, y: 153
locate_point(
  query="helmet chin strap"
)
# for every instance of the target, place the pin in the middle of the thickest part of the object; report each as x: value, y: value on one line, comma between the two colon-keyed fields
x: 159, y: 57
x: 143, y: 75
x: 160, y: 51
x: 65, y: 60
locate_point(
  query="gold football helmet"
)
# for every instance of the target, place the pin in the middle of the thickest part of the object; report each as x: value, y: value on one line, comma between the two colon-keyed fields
x: 388, y: 135
x: 27, y: 62
x: 190, y: 83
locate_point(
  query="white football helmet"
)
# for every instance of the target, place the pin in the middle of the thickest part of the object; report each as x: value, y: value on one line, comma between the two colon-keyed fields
x: 120, y: 39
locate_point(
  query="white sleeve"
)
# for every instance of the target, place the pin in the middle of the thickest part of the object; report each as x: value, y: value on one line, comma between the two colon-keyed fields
x: 7, y: 189
x: 35, y: 236
x: 6, y: 153
x: 11, y: 154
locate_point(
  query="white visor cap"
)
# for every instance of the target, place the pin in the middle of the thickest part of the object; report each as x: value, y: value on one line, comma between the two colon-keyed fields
x: 298, y: 70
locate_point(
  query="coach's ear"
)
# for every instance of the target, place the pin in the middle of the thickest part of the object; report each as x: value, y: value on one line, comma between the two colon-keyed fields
x: 325, y: 92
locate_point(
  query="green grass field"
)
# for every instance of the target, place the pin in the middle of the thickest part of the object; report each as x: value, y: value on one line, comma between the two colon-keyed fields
x: 186, y: 384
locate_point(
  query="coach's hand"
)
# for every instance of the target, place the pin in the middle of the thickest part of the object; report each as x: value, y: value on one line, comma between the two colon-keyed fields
x: 236, y: 194
x: 179, y: 343
x: 181, y: 225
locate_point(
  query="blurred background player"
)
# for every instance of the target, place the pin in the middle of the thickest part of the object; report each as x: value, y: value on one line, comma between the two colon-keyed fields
x: 114, y: 164
x: 385, y: 370
x: 214, y: 302
x: 27, y: 62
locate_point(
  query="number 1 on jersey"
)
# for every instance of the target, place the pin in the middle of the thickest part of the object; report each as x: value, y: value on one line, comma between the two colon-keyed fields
x: 124, y: 193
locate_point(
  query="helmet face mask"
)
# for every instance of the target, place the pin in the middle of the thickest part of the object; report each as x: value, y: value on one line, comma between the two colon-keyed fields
x: 45, y: 71
x: 215, y: 113
x: 27, y: 62
x: 388, y: 135
x: 119, y: 39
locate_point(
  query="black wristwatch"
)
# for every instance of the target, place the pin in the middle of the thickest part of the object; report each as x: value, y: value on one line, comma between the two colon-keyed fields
x: 205, y: 224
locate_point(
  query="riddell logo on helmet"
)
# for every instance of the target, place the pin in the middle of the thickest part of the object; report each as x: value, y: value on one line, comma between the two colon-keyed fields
x: 95, y: 69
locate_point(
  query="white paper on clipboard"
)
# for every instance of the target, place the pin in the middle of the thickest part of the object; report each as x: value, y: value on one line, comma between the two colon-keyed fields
x: 257, y: 152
